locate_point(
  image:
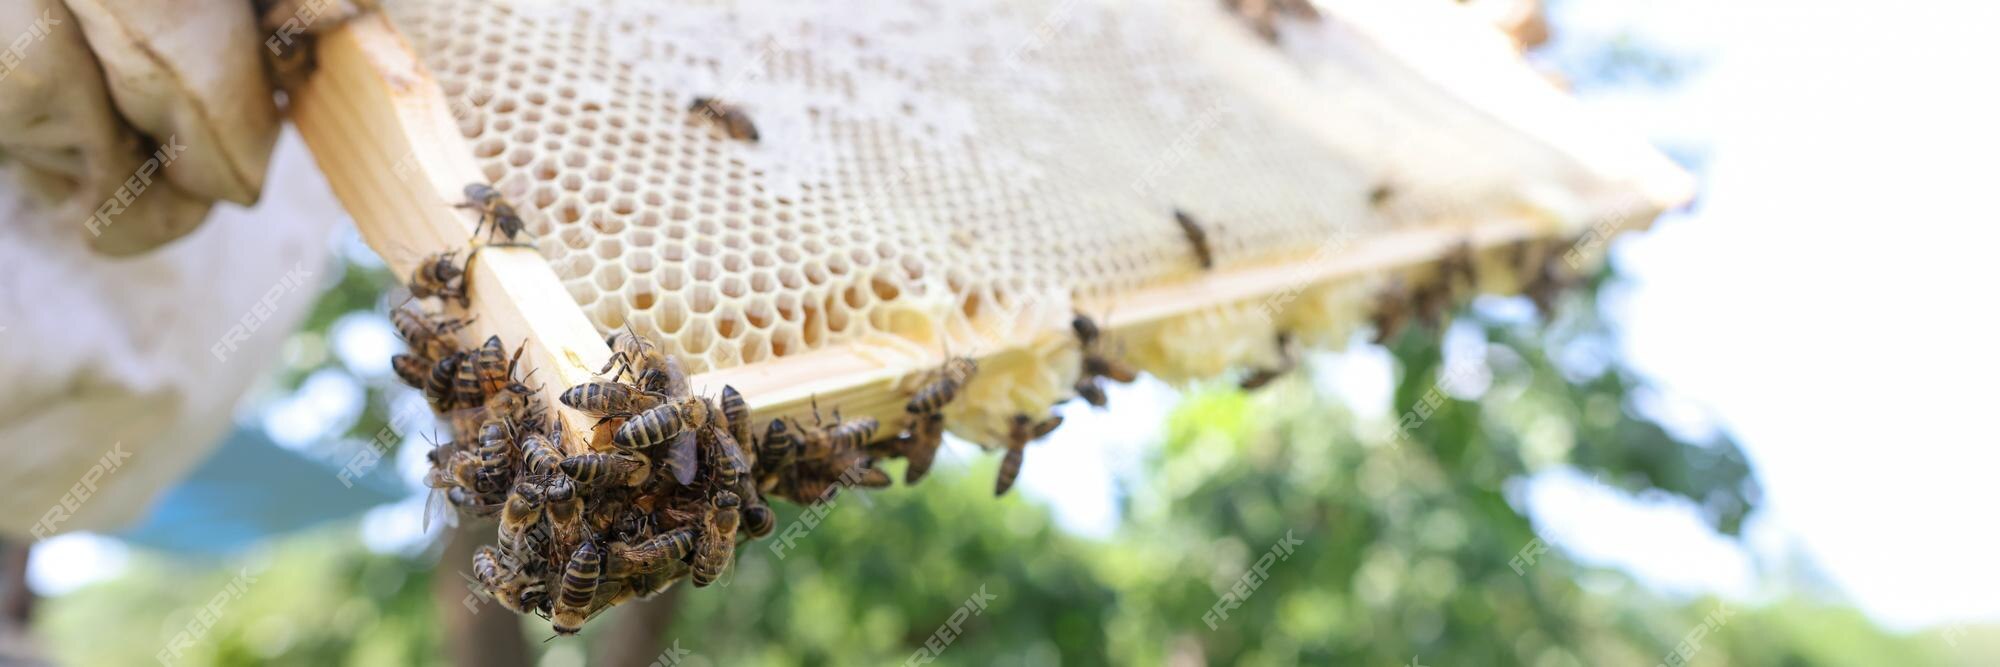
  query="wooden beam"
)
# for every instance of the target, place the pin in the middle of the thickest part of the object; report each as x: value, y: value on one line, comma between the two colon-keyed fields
x: 382, y: 133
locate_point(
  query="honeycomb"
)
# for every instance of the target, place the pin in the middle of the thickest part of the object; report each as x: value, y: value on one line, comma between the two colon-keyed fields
x: 934, y: 171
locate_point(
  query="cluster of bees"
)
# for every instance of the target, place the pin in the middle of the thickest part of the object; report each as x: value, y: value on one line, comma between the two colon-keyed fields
x: 1457, y: 276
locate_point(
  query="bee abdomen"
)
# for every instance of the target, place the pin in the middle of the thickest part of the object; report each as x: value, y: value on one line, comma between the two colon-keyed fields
x: 648, y: 428
x: 1010, y: 467
x: 854, y: 433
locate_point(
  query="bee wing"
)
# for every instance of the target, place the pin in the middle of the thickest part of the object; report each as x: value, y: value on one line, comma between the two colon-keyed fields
x: 681, y: 457
x: 677, y: 379
x: 437, y: 506
x: 731, y: 452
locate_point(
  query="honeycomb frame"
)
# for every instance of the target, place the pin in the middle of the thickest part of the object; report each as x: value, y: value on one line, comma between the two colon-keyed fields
x: 403, y: 114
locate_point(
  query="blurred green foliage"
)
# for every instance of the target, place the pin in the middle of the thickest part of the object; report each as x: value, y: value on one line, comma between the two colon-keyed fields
x: 1407, y: 550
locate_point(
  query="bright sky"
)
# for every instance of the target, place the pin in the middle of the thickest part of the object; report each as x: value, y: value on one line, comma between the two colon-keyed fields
x: 1824, y: 302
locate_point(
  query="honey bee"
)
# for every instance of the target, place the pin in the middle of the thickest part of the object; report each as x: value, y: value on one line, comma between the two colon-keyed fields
x: 943, y: 386
x: 599, y: 469
x: 580, y: 579
x: 1432, y: 303
x: 758, y: 519
x: 1548, y: 283
x: 718, y: 539
x: 539, y: 457
x: 495, y: 370
x: 1458, y: 269
x: 637, y: 358
x: 411, y: 369
x: 867, y: 476
x: 565, y: 509
x: 623, y: 560
x: 495, y: 209
x: 442, y: 480
x: 438, y: 387
x: 468, y: 381
x: 733, y: 120
x: 609, y: 399
x: 1097, y: 362
x: 1023, y: 431
x: 524, y: 407
x: 820, y: 443
x: 1287, y: 360
x: 494, y: 455
x: 737, y: 412
x: 1380, y: 194
x: 654, y: 583
x: 1087, y: 389
x: 775, y: 454
x: 725, y: 456
x: 521, y: 513
x: 1196, y: 237
x: 428, y: 337
x: 673, y: 423
x: 1392, y: 310
x: 506, y: 583
x: 851, y: 434
x: 925, y: 436
x: 438, y: 276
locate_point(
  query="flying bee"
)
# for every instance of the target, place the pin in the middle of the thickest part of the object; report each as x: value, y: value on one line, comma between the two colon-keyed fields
x: 579, y: 586
x: 495, y: 209
x: 717, y: 545
x: 943, y: 386
x: 732, y: 119
x: 605, y: 469
x: 1287, y: 360
x: 1197, y: 237
x: 438, y: 276
x: 737, y: 412
x: 609, y: 399
x: 413, y: 370
x: 925, y: 436
x: 1023, y: 431
x: 521, y: 513
x: 624, y: 560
